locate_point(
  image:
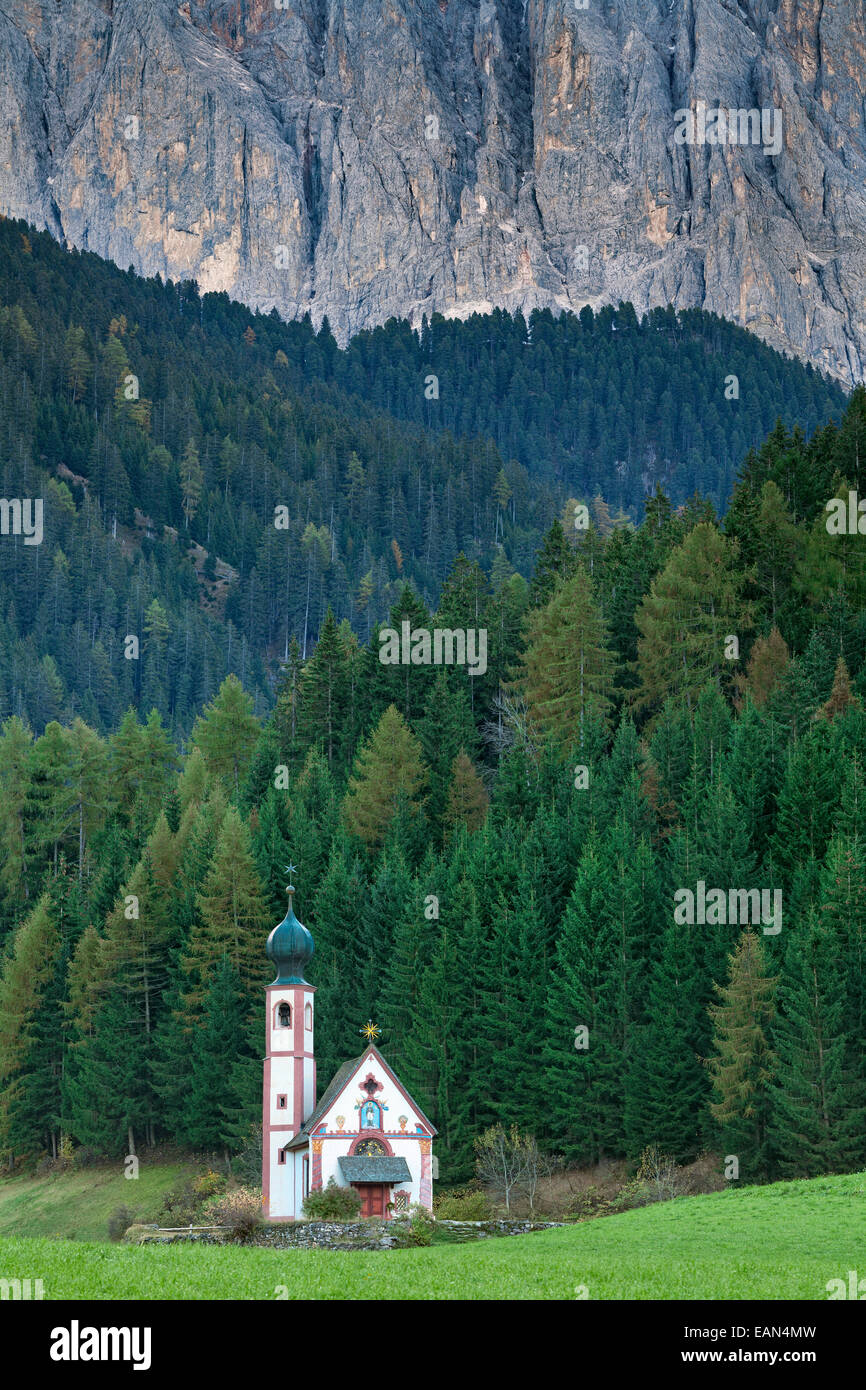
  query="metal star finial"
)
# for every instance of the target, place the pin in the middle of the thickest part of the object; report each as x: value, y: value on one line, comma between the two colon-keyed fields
x: 290, y: 870
x: 370, y: 1030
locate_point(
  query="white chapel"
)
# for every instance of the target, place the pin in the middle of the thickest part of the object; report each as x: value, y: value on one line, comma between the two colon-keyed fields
x: 366, y: 1131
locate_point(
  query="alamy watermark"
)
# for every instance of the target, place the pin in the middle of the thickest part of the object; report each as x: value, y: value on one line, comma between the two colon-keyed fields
x: 22, y: 516
x: 16, y: 1289
x: 444, y: 646
x: 737, y: 907
x: 719, y: 125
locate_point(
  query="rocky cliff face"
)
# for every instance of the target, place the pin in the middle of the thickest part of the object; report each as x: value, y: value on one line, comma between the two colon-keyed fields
x: 367, y: 158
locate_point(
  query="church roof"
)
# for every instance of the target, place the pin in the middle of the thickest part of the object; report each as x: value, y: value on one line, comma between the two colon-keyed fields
x: 340, y: 1080
x: 290, y: 947
x: 380, y: 1168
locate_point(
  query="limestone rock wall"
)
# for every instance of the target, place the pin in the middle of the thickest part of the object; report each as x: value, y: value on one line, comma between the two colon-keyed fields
x: 367, y: 158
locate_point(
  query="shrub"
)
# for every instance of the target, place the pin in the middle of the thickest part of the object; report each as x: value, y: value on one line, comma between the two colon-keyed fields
x: 414, y: 1229
x: 593, y: 1201
x: 240, y: 1212
x: 180, y: 1205
x: 332, y: 1203
x: 85, y: 1157
x: 467, y: 1205
x: 209, y: 1184
x: 119, y: 1222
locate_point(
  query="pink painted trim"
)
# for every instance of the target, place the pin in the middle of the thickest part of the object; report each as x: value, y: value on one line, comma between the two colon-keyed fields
x: 425, y: 1192
x: 298, y: 1097
x: 266, y: 1139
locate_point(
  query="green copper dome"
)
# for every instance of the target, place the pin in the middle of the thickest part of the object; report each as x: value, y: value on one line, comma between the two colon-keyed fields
x: 290, y: 947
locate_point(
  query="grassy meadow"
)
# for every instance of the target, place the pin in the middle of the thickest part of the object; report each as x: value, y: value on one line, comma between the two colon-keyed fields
x: 77, y: 1205
x: 776, y: 1242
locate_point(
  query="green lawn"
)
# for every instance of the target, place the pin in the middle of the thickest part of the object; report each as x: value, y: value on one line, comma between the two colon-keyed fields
x: 78, y: 1205
x: 784, y: 1241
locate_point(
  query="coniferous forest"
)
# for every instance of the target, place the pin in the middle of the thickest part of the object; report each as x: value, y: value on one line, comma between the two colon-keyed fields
x: 490, y: 865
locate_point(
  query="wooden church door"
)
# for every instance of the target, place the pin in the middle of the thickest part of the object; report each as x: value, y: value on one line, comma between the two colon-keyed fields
x: 372, y: 1198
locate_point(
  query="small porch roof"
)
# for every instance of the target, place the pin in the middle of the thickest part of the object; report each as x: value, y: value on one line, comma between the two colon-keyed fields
x: 385, y: 1169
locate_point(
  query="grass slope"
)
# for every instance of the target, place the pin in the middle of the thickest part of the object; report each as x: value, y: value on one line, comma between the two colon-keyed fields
x: 782, y: 1241
x: 78, y: 1205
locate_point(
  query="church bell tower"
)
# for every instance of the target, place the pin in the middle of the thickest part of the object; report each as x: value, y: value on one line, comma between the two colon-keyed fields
x: 290, y: 1064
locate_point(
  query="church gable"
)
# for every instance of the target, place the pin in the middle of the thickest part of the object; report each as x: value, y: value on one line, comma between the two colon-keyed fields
x: 366, y: 1096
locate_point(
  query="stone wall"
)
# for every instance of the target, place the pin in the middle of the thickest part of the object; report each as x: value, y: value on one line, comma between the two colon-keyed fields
x: 345, y: 1235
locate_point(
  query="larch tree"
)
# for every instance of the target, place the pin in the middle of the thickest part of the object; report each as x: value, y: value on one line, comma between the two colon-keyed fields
x: 389, y: 763
x: 693, y: 607
x: 226, y: 733
x: 568, y: 668
x: 742, y: 1066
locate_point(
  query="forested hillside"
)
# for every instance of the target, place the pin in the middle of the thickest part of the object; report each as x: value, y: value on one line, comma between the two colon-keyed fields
x: 488, y: 865
x: 163, y: 430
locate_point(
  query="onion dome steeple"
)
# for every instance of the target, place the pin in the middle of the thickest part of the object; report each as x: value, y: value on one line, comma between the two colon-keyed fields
x: 290, y: 945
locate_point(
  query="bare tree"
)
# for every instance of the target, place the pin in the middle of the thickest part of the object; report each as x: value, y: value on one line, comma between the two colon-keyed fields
x: 510, y: 1161
x: 659, y: 1170
x: 499, y: 1160
x: 510, y: 724
x: 537, y: 1165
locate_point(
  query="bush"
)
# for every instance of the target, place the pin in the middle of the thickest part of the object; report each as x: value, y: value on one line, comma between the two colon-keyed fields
x: 332, y: 1203
x: 416, y: 1229
x: 467, y: 1205
x: 209, y: 1184
x: 119, y: 1222
x: 85, y: 1157
x: 180, y: 1205
x: 596, y: 1200
x: 239, y: 1212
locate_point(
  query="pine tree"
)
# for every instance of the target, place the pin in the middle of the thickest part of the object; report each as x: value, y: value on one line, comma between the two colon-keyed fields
x: 743, y: 1065
x: 218, y: 1044
x: 28, y: 1057
x: 567, y: 665
x: 666, y: 1088
x: 227, y: 731
x: 555, y: 562
x: 692, y: 607
x: 388, y: 764
x: 467, y: 798
x: 585, y: 1069
x: 15, y: 748
x: 232, y: 920
x: 818, y: 1109
x: 324, y: 690
x: 841, y: 696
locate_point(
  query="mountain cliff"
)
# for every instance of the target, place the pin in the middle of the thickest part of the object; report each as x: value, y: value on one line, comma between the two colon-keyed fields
x: 362, y: 159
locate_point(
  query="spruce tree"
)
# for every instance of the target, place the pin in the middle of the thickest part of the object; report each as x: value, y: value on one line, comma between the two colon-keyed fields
x: 818, y: 1117
x: 666, y: 1087
x: 218, y: 1044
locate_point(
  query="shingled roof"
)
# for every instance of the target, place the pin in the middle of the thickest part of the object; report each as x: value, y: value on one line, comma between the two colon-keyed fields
x: 339, y: 1080
x: 376, y: 1169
